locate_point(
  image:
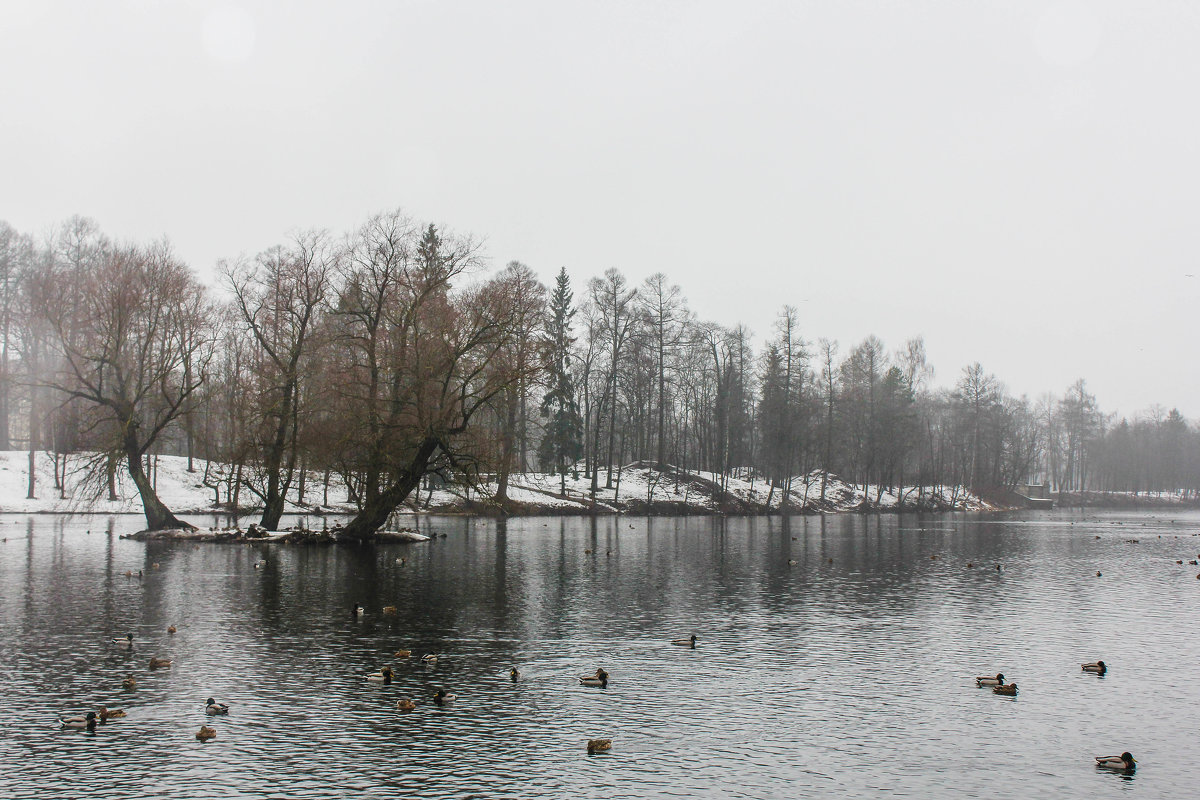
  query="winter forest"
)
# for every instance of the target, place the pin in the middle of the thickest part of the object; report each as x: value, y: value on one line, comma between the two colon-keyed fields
x: 391, y: 356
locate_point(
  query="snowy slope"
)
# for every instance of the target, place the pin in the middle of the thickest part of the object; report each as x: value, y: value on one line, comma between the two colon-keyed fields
x: 637, y: 488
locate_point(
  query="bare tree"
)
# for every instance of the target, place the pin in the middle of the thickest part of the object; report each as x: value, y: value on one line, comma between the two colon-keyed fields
x: 123, y: 344
x: 278, y: 297
x: 518, y: 362
x: 613, y: 301
x: 438, y: 373
x: 662, y: 304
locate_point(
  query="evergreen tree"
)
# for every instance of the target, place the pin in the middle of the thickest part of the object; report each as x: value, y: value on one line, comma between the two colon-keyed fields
x: 563, y: 440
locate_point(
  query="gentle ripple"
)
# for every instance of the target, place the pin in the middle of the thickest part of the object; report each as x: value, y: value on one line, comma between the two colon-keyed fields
x: 849, y: 677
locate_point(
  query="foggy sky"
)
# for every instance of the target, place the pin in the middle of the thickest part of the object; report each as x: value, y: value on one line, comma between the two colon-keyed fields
x: 1016, y: 181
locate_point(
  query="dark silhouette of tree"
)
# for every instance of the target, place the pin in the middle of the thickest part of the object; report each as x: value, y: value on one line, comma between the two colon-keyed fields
x: 562, y: 440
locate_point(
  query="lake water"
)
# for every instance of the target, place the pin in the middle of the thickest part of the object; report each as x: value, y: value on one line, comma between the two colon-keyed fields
x: 819, y: 678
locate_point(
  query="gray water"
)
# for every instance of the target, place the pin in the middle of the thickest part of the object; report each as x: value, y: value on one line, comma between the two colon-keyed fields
x: 850, y: 678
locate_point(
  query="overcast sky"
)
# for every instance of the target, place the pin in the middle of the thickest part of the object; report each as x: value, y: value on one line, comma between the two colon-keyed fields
x: 1015, y: 181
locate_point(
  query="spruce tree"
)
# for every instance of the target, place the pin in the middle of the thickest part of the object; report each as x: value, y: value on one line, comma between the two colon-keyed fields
x: 563, y: 440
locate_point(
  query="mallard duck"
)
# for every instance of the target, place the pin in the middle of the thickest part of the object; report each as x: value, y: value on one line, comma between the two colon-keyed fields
x: 87, y: 722
x: 1006, y: 689
x: 515, y: 674
x: 1099, y: 667
x: 205, y: 733
x: 443, y: 699
x: 160, y: 663
x: 170, y: 629
x: 599, y: 679
x: 358, y: 610
x: 129, y: 682
x: 384, y: 675
x: 213, y: 708
x: 405, y: 704
x: 429, y: 658
x: 986, y: 681
x: 389, y: 611
x: 107, y: 713
x: 124, y: 641
x: 1123, y: 761
x: 403, y: 653
x: 599, y: 746
x: 685, y: 642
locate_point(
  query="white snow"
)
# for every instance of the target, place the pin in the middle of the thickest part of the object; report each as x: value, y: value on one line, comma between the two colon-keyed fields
x: 633, y: 487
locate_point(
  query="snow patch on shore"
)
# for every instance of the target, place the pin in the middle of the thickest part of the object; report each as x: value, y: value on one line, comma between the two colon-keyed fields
x: 637, y: 487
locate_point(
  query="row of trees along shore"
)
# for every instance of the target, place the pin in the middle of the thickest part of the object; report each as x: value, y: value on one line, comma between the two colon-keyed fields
x: 391, y: 355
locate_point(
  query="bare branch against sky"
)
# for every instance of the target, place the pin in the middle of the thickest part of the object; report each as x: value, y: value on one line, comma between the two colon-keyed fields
x: 1016, y: 181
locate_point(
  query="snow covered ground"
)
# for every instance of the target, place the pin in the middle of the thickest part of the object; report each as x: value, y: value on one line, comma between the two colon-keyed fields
x: 635, y: 488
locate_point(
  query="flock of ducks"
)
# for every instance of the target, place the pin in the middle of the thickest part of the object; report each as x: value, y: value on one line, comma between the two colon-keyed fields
x: 387, y: 676
x: 1125, y: 761
x: 87, y: 722
x: 442, y: 698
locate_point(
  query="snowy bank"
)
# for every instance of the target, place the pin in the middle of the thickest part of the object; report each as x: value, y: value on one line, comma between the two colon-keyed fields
x: 640, y: 488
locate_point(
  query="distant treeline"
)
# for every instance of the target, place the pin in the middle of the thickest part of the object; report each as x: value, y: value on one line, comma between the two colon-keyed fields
x: 389, y: 355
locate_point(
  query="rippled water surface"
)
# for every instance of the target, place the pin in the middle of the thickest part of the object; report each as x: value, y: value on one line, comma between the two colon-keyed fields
x: 835, y: 659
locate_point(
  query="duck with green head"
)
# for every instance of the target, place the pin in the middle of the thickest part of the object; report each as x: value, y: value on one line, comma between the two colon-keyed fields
x: 1125, y: 761
x: 84, y: 723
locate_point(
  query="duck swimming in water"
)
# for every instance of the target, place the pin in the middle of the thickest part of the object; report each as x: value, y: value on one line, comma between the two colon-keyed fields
x: 107, y: 713
x: 160, y: 663
x: 405, y: 704
x: 358, y: 610
x: 384, y: 676
x: 514, y: 674
x: 685, y: 642
x: 213, y: 708
x: 1124, y: 761
x: 85, y: 723
x: 599, y: 746
x: 205, y: 733
x: 129, y: 682
x: 1098, y: 667
x: 124, y: 641
x: 443, y: 699
x: 599, y: 679
x: 430, y: 658
x: 986, y: 681
x: 1009, y: 690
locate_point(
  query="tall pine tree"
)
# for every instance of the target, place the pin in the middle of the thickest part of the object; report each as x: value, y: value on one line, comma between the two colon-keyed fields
x: 563, y: 440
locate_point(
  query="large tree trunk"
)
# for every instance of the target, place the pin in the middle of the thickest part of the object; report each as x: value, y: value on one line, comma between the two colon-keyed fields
x: 376, y: 510
x: 277, y: 487
x: 158, y: 516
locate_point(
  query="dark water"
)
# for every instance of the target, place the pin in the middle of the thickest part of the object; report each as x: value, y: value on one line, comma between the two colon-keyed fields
x: 818, y: 679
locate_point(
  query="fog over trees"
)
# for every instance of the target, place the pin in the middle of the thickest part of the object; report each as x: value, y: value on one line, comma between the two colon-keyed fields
x: 390, y: 356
